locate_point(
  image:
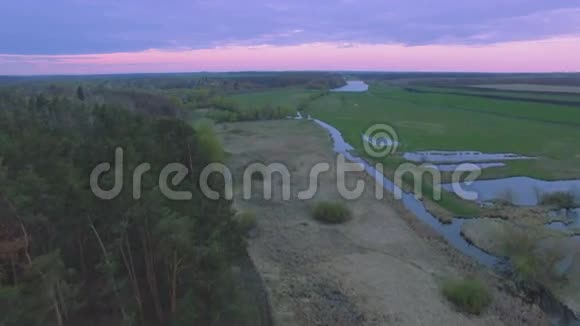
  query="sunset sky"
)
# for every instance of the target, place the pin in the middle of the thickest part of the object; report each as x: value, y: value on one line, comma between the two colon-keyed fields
x: 107, y: 36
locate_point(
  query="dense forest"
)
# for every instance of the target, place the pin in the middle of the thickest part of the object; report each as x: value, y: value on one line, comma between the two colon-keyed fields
x: 224, y: 82
x: 69, y: 258
x: 184, y: 96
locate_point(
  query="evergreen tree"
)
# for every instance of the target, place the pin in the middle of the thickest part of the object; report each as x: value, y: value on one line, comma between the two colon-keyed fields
x: 134, y: 262
x: 80, y: 93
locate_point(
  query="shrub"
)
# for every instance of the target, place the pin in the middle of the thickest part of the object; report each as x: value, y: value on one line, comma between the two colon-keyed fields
x: 332, y: 212
x: 531, y: 268
x: 559, y: 199
x: 209, y: 144
x: 247, y: 221
x: 469, y: 295
x: 258, y: 176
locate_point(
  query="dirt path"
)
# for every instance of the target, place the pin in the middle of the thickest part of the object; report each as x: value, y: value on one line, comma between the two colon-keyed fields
x: 380, y: 268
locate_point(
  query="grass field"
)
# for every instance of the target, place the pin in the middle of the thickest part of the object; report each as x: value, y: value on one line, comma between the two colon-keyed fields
x: 533, y: 88
x: 426, y: 121
x: 529, y: 96
x: 452, y: 120
x: 285, y: 97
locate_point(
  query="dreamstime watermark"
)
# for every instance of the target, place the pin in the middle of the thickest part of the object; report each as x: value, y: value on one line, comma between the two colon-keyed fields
x: 379, y: 141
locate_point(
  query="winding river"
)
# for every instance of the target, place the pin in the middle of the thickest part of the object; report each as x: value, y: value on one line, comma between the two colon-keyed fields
x: 451, y: 232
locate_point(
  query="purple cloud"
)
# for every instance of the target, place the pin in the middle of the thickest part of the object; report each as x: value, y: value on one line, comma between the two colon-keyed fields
x: 104, y: 26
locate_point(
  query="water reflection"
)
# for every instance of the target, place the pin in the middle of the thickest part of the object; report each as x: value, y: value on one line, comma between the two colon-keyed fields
x: 460, y: 157
x: 353, y: 86
x: 451, y: 232
x: 520, y: 191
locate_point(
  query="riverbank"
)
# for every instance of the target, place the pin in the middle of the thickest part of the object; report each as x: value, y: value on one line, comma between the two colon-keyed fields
x: 382, y: 267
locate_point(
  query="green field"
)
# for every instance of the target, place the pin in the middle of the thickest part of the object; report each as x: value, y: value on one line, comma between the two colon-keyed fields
x: 457, y: 119
x: 285, y: 97
x: 426, y: 121
x: 572, y: 99
x: 532, y: 88
x: 449, y: 121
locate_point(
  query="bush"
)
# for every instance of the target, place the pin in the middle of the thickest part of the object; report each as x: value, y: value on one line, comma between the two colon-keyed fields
x: 332, y: 212
x: 247, y: 221
x: 258, y: 176
x: 559, y: 199
x: 531, y: 268
x: 209, y: 144
x: 469, y: 295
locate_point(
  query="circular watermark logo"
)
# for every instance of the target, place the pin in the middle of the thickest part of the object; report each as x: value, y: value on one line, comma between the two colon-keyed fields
x: 380, y: 140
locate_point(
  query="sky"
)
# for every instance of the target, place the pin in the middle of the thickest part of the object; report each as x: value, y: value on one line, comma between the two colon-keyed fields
x: 126, y: 36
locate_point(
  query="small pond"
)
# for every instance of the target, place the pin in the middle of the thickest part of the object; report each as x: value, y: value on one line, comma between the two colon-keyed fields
x: 521, y: 191
x: 571, y: 219
x: 460, y: 157
x: 467, y: 167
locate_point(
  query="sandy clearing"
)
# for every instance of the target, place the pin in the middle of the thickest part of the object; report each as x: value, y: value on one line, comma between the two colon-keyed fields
x: 381, y: 268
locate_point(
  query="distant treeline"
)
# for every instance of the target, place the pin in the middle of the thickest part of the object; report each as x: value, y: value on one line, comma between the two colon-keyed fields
x: 224, y: 82
x: 222, y: 109
x: 462, y: 79
x: 175, y: 94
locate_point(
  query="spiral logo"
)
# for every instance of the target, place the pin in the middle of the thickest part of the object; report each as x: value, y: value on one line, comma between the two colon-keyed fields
x: 380, y: 140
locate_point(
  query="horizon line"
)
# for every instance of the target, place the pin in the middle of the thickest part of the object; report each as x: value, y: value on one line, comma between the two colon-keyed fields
x: 295, y: 71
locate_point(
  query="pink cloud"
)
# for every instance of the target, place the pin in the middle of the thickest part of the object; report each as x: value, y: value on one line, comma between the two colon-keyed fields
x: 557, y: 54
